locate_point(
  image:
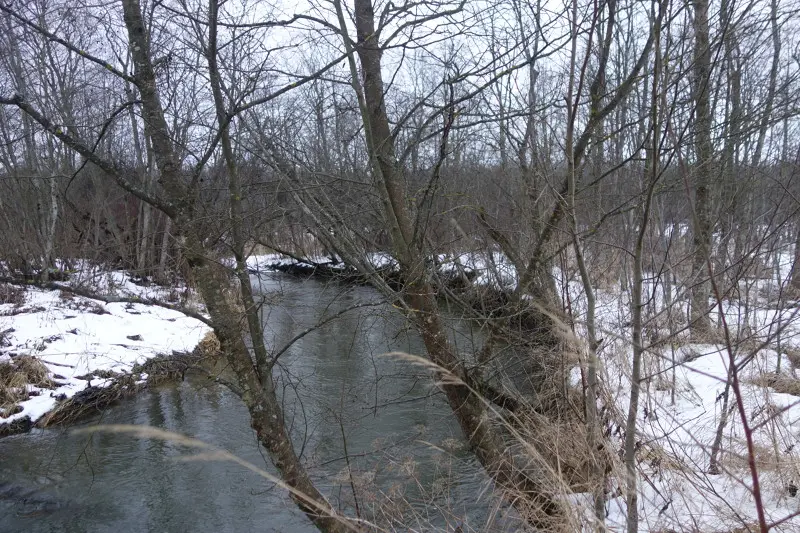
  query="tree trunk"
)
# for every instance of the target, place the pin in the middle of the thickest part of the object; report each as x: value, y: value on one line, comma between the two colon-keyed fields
x: 794, y: 284
x: 529, y: 494
x: 652, y: 175
x: 254, y: 374
x: 773, y: 83
x: 257, y: 391
x: 700, y: 323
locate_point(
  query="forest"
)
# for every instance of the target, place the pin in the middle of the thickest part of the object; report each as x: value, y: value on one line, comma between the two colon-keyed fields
x: 603, y: 192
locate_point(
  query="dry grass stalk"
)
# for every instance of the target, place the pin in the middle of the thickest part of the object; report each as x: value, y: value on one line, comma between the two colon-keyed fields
x: 793, y: 355
x: 93, y: 399
x: 209, y: 346
x: 9, y: 294
x: 89, y: 401
x: 553, y: 451
x: 17, y: 376
x: 780, y: 382
x: 207, y: 452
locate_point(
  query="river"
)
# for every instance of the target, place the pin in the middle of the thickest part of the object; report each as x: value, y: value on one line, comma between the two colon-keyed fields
x: 406, y: 453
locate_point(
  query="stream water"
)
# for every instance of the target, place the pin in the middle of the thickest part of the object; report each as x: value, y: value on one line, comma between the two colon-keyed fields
x: 339, y: 389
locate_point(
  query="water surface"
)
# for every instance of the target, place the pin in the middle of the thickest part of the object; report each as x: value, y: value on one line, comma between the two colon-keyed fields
x: 340, y: 391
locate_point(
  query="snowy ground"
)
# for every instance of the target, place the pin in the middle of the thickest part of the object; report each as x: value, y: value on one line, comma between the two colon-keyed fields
x: 271, y: 262
x: 679, y: 409
x: 681, y: 402
x: 675, y: 486
x: 75, y: 336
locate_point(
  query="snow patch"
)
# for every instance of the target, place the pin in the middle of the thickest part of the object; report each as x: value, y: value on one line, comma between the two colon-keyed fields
x: 75, y: 336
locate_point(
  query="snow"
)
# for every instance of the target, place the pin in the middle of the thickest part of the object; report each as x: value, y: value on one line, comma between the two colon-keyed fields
x: 485, y: 269
x: 685, y: 431
x: 270, y: 262
x: 273, y: 262
x: 382, y: 260
x: 676, y: 491
x: 75, y: 336
x: 489, y: 269
x: 675, y: 488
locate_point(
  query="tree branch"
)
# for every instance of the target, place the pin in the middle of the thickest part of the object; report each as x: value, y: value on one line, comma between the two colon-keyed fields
x: 318, y: 325
x: 109, y: 299
x: 79, y: 147
x: 66, y: 44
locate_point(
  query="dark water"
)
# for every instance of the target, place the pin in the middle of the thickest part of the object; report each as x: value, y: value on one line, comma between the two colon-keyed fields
x: 409, y: 469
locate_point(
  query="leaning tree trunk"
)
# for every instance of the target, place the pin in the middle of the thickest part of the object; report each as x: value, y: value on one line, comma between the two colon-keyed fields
x: 471, y: 413
x: 254, y: 377
x: 257, y: 389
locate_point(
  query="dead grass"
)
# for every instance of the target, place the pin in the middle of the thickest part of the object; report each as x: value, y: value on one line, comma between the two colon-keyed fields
x: 17, y: 375
x: 90, y: 401
x: 554, y: 452
x: 714, y: 335
x: 745, y: 528
x: 780, y: 382
x: 209, y: 346
x: 793, y: 355
x: 93, y: 400
x: 658, y: 459
x: 167, y: 368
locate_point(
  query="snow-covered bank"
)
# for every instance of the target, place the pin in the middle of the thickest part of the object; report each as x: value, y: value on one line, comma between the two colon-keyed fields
x: 275, y: 262
x: 676, y: 485
x: 683, y: 398
x: 682, y: 392
x: 80, y: 339
x: 483, y: 269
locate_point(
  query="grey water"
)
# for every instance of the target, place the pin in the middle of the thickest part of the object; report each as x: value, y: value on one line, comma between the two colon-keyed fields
x: 407, y: 464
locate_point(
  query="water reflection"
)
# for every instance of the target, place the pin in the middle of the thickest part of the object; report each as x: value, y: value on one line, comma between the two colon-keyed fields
x: 401, y: 437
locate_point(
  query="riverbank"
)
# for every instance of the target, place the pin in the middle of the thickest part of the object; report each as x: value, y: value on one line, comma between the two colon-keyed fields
x: 64, y: 354
x: 483, y: 281
x: 62, y: 349
x: 680, y: 407
x: 685, y: 393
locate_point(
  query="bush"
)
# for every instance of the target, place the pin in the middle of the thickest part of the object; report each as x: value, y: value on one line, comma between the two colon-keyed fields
x: 9, y: 294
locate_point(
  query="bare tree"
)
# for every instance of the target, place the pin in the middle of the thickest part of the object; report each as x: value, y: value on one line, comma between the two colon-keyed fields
x: 703, y: 171
x: 252, y: 369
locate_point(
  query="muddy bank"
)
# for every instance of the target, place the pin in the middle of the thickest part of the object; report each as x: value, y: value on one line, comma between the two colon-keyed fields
x: 109, y: 388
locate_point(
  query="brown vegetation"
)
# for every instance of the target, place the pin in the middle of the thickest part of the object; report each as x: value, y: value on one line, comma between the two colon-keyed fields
x: 16, y: 376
